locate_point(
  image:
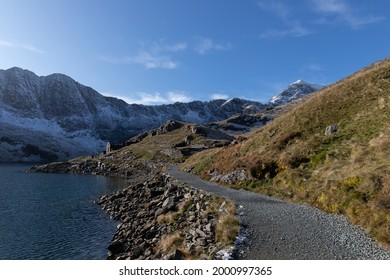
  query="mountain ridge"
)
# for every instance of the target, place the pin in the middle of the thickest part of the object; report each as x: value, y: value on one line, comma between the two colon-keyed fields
x: 59, y: 109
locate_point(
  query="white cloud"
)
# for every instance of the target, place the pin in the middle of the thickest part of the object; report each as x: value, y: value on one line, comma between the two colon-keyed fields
x: 140, y: 98
x: 330, y: 6
x: 334, y: 11
x: 294, y: 27
x: 27, y: 47
x: 314, y: 67
x: 219, y: 96
x: 151, y: 61
x: 159, y: 55
x: 329, y: 11
x: 175, y: 47
x: 154, y: 56
x: 155, y: 98
x: 357, y: 22
x: 158, y: 47
x: 205, y: 45
x: 178, y: 96
x: 144, y: 58
x: 277, y: 8
x: 296, y: 30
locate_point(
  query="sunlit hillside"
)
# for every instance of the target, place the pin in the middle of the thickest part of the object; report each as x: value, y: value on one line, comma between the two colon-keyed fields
x: 344, y: 172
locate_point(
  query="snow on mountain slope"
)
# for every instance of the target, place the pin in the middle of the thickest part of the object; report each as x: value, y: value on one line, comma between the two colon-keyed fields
x: 294, y: 91
x: 56, y: 118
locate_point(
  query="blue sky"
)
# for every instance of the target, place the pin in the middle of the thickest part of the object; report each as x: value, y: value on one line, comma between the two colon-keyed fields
x: 164, y: 51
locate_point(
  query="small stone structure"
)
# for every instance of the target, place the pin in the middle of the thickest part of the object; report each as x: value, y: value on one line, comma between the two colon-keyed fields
x: 108, y: 147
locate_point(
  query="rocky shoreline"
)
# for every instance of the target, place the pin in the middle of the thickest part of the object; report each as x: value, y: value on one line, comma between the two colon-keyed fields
x: 159, y: 217
x: 165, y: 219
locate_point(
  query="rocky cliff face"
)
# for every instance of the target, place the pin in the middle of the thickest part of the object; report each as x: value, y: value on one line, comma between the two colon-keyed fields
x: 56, y: 118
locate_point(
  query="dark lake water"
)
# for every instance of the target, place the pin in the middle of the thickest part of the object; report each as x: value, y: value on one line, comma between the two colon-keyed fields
x: 53, y: 216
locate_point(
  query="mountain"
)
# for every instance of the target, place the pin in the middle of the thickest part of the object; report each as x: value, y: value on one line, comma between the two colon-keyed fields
x: 53, y: 117
x: 331, y: 151
x: 294, y: 91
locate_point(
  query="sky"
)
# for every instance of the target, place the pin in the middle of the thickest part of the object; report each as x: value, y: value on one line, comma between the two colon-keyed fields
x: 164, y: 51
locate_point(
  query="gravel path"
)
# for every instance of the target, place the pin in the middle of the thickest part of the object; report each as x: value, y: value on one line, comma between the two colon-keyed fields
x: 276, y: 230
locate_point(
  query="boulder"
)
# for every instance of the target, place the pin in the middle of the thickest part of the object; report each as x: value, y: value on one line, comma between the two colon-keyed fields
x: 116, y: 248
x: 159, y: 212
x: 170, y: 204
x: 331, y: 129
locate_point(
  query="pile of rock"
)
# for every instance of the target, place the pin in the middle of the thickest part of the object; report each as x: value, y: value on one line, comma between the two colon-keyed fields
x: 163, y: 219
x: 230, y: 178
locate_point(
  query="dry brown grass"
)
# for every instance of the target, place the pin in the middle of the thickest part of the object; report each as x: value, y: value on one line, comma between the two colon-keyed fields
x: 227, y: 229
x: 169, y: 243
x: 167, y: 218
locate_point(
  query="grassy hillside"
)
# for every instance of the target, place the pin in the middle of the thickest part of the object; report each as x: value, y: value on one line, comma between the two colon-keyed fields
x: 347, y: 172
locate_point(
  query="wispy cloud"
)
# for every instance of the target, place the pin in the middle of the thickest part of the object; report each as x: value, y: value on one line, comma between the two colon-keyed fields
x: 204, y: 45
x: 333, y: 11
x: 219, y: 96
x: 27, y: 47
x: 313, y: 67
x: 277, y: 8
x: 327, y: 12
x: 294, y: 27
x: 296, y: 30
x: 330, y: 6
x: 172, y: 48
x: 156, y: 55
x: 152, y: 61
x: 160, y: 55
x: 144, y: 58
x: 155, y: 98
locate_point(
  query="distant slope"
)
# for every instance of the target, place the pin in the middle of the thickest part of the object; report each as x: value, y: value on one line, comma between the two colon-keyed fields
x: 172, y: 142
x: 344, y: 172
x: 56, y: 118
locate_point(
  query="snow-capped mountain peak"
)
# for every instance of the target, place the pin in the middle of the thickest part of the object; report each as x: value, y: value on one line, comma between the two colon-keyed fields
x: 295, y: 90
x: 298, y: 82
x: 302, y: 82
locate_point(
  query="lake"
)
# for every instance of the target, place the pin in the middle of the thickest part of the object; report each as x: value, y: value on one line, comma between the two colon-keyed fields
x: 53, y: 216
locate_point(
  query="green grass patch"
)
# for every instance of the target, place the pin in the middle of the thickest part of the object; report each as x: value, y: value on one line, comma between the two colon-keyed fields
x: 199, y: 168
x: 317, y: 159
